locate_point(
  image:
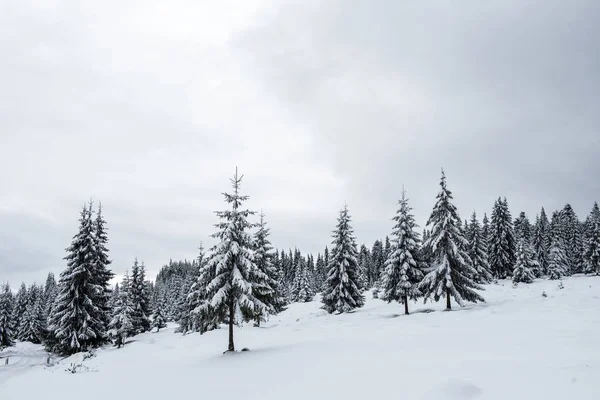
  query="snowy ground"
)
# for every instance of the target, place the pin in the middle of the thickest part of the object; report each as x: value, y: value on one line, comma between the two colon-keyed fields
x: 519, y: 345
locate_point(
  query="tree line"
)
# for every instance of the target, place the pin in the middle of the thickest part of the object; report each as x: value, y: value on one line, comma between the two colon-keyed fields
x: 244, y: 279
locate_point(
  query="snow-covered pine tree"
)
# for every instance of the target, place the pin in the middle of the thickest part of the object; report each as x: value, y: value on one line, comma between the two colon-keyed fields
x: 525, y: 266
x: 158, y: 319
x: 302, y: 291
x: 188, y: 321
x: 342, y: 292
x: 20, y: 306
x: 320, y: 272
x: 76, y: 322
x: 121, y: 323
x: 266, y: 284
x: 140, y: 301
x: 102, y: 273
x: 50, y: 293
x: 203, y: 317
x: 540, y: 241
x: 451, y: 268
x: 592, y: 249
x: 6, y: 325
x: 522, y: 228
x: 402, y: 273
x: 230, y: 295
x: 477, y: 250
x: 502, y: 251
x: 377, y: 262
x: 558, y: 266
x: 572, y: 243
x: 32, y: 328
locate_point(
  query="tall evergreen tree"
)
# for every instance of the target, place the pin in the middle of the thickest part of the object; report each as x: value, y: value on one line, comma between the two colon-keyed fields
x: 50, y: 293
x: 451, y: 269
x: 6, y: 325
x: 230, y: 296
x: 477, y: 250
x: 522, y: 228
x: 20, y: 306
x: 592, y: 249
x: 525, y: 266
x: 343, y: 292
x: 302, y: 292
x: 121, y: 324
x: 140, y: 301
x: 377, y: 263
x: 558, y: 266
x: 402, y: 272
x: 33, y: 325
x: 266, y: 285
x: 502, y: 251
x: 572, y: 238
x: 158, y: 320
x: 102, y: 273
x: 77, y: 322
x: 541, y: 241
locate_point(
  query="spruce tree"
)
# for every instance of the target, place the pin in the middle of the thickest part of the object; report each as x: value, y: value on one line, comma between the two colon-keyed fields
x: 451, y: 267
x: 525, y: 266
x: 158, y: 320
x: 541, y: 241
x: 558, y: 266
x: 377, y: 262
x: 102, y: 273
x: 229, y: 295
x: 77, y: 323
x: 266, y: 284
x: 477, y: 250
x: 302, y: 292
x: 121, y: 323
x: 140, y: 301
x: 502, y: 252
x: 402, y: 273
x: 6, y: 325
x: 571, y: 238
x: 342, y: 292
x: 32, y: 328
x: 522, y: 228
x: 20, y: 306
x: 50, y: 293
x: 592, y: 250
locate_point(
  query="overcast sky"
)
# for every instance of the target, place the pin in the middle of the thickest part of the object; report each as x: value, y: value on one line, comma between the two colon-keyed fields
x: 148, y: 106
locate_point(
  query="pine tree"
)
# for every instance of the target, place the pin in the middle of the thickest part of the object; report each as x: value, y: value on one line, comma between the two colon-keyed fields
x: 302, y: 292
x: 77, y: 321
x: 50, y: 293
x: 140, y: 301
x: 449, y: 274
x: 230, y: 295
x: 571, y: 236
x: 525, y: 265
x: 158, y: 320
x: 541, y: 241
x: 342, y: 291
x: 558, y: 266
x: 502, y: 252
x: 522, y: 228
x: 320, y: 272
x: 402, y: 273
x: 32, y: 328
x: 592, y: 250
x: 485, y: 231
x: 477, y: 250
x: 20, y: 307
x: 6, y: 325
x: 121, y: 323
x: 377, y: 262
x: 266, y: 284
x: 102, y: 274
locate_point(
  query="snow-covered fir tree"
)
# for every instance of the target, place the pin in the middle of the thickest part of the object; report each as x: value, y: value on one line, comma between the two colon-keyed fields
x: 188, y: 321
x: 50, y: 293
x: 485, y: 233
x: 502, y: 246
x: 377, y: 263
x: 140, y: 299
x: 558, y: 265
x: 522, y: 228
x: 477, y: 250
x: 451, y: 267
x: 229, y: 294
x: 402, y: 273
x: 342, y: 292
x: 571, y: 235
x: 525, y: 266
x: 121, y: 323
x: 102, y: 273
x: 320, y: 273
x: 6, y: 324
x: 158, y: 319
x: 20, y: 306
x: 33, y: 323
x: 541, y: 241
x: 302, y: 291
x: 266, y: 284
x: 77, y: 323
x: 592, y: 249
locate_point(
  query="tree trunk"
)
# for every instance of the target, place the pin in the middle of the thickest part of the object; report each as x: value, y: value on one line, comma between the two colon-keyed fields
x: 231, y: 317
x: 448, y: 305
x: 405, y: 305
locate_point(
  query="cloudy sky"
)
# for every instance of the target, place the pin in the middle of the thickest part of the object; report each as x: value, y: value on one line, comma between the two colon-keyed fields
x: 148, y: 106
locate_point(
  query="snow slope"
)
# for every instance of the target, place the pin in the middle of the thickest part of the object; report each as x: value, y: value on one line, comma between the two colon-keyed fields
x: 519, y: 345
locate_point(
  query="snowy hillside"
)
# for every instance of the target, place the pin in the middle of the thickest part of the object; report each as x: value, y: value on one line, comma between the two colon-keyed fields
x: 518, y: 345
